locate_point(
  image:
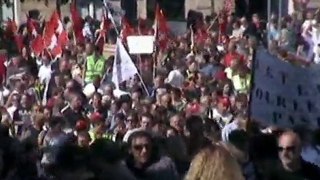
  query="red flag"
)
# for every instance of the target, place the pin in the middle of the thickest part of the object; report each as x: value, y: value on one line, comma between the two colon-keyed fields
x: 19, y: 41
x: 37, y: 45
x: 48, y: 34
x: 11, y: 28
x: 222, y: 26
x: 56, y: 23
x: 78, y: 22
x: 31, y: 27
x: 54, y: 35
x: 63, y: 39
x: 127, y: 30
x: 56, y: 51
x: 201, y: 35
x: 161, y: 28
x: 104, y: 28
x: 142, y: 27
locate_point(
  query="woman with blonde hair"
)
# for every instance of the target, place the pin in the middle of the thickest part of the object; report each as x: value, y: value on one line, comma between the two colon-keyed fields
x: 214, y: 163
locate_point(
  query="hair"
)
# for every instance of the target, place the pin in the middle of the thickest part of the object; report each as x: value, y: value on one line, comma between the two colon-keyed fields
x: 194, y: 124
x: 98, y: 95
x: 139, y: 134
x: 147, y: 115
x: 176, y: 91
x: 215, y: 163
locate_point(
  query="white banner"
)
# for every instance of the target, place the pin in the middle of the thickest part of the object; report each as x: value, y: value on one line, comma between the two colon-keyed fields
x: 140, y: 44
x: 284, y: 94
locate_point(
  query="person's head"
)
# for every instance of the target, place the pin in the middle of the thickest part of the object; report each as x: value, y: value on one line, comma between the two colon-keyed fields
x: 64, y: 65
x: 193, y: 66
x: 45, y: 58
x: 16, y: 100
x: 236, y: 25
x: 241, y: 101
x: 227, y: 88
x: 165, y: 100
x: 215, y: 163
x: 194, y: 125
x: 244, y: 21
x: 140, y: 148
x: 171, y: 132
x: 83, y: 139
x: 55, y: 124
x: 309, y: 15
x: 20, y: 87
x: 97, y: 81
x: 26, y: 101
x: 255, y: 18
x: 58, y: 79
x: 176, y: 94
x: 38, y: 120
x: 16, y: 60
x: 76, y: 102
x: 205, y: 101
x: 158, y: 81
x: 47, y: 112
x: 96, y: 99
x: 136, y: 95
x: 223, y: 104
x: 235, y: 63
x: 289, y: 147
x: 146, y: 121
x: 89, y: 49
x: 132, y: 120
x: 177, y: 122
x: 108, y: 90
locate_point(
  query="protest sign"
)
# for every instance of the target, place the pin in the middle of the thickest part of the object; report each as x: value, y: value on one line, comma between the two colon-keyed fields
x: 108, y: 50
x: 284, y: 94
x: 140, y: 44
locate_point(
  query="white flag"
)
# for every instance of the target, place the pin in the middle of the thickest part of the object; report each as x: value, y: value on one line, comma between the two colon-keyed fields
x: 123, y: 67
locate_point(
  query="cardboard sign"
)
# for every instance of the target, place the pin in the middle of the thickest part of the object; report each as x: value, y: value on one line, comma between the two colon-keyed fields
x: 284, y: 94
x: 140, y: 44
x: 108, y: 50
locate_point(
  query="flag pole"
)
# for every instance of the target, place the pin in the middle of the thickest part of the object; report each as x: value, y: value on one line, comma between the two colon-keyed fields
x: 279, y: 18
x: 155, y: 61
x: 143, y: 84
x: 118, y: 35
x: 111, y: 17
x: 192, y: 40
x: 269, y: 19
x: 139, y: 55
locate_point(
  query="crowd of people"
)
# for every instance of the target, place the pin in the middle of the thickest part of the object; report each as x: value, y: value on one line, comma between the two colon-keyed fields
x: 63, y: 118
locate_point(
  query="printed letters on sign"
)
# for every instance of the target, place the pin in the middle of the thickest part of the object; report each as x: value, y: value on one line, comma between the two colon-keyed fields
x: 284, y: 94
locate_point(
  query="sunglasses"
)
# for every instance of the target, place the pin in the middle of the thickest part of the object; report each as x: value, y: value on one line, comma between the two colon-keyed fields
x: 139, y: 147
x: 289, y: 148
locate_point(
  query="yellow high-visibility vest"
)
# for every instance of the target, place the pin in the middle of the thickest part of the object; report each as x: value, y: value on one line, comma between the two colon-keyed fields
x: 94, y: 67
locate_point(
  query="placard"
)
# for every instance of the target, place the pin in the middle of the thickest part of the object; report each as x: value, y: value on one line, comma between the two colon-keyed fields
x: 284, y: 94
x: 108, y: 50
x: 140, y: 44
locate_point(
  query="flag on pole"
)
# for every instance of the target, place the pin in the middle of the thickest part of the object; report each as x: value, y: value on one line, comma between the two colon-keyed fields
x: 123, y: 66
x: 161, y: 29
x: 77, y: 21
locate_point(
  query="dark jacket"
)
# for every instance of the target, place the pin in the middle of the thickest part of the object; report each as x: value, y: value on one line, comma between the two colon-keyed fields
x: 308, y: 171
x: 162, y: 168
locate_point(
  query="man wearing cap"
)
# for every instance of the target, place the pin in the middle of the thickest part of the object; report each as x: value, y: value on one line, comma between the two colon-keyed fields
x: 222, y: 114
x: 99, y: 128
